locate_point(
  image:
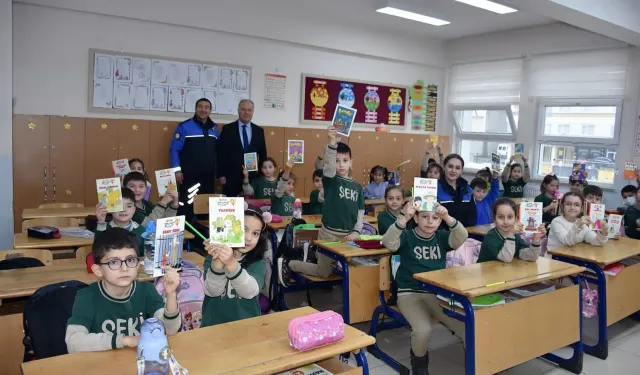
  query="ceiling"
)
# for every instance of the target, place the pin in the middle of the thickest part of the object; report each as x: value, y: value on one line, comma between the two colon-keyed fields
x: 465, y: 19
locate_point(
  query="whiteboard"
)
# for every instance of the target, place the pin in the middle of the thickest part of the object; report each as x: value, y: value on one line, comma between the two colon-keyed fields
x: 137, y: 84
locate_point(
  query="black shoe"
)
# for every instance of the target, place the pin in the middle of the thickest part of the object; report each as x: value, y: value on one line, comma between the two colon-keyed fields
x: 284, y: 272
x: 419, y: 365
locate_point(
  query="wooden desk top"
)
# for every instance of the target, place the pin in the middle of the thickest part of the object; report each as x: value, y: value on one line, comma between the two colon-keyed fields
x: 24, y: 282
x: 480, y: 230
x: 613, y: 251
x: 74, y: 212
x: 350, y: 251
x: 370, y: 202
x: 253, y: 346
x: 22, y: 241
x: 315, y: 220
x: 479, y: 279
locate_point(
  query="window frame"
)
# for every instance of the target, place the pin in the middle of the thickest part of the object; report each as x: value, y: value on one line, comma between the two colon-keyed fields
x: 461, y: 134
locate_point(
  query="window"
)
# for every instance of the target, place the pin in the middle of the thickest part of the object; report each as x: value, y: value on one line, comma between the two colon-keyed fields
x: 580, y: 121
x: 477, y: 153
x: 599, y: 161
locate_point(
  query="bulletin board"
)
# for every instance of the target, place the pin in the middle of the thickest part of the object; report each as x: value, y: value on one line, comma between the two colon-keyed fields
x: 375, y: 103
x: 137, y: 84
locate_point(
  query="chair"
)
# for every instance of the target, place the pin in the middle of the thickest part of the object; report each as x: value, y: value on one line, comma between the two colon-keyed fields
x: 82, y: 253
x: 58, y: 222
x: 386, y: 310
x: 201, y: 203
x: 378, y: 209
x: 61, y: 205
x: 43, y: 256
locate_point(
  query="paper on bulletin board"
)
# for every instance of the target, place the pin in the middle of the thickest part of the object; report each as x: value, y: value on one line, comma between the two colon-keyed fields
x: 275, y: 90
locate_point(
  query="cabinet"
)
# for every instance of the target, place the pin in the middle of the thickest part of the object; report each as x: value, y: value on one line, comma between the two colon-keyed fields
x: 274, y: 139
x: 66, y: 159
x: 101, y: 148
x: 160, y: 137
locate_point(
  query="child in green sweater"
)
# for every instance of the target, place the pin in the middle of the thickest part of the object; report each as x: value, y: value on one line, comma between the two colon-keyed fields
x: 145, y: 210
x: 122, y: 219
x: 263, y: 187
x: 316, y: 198
x: 423, y: 249
x: 394, y: 200
x: 283, y: 198
x: 549, y: 198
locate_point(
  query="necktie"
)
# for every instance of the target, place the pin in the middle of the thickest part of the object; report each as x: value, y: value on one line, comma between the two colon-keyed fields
x: 245, y: 139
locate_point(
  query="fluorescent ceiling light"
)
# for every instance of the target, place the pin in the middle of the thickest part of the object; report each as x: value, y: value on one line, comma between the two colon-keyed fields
x: 412, y: 16
x: 489, y: 5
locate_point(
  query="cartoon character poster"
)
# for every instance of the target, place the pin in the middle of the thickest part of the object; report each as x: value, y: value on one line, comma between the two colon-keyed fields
x: 425, y: 193
x: 168, y: 244
x: 226, y: 221
x: 343, y: 119
x: 110, y: 194
x: 295, y: 151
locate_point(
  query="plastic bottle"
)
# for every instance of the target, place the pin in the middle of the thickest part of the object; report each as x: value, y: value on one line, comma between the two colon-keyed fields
x: 297, y: 209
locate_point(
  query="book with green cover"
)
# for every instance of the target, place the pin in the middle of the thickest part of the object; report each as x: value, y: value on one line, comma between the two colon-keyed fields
x: 488, y: 300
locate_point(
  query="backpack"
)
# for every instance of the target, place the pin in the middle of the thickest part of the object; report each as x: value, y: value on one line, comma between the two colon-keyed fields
x: 45, y: 318
x: 286, y: 247
x: 368, y: 229
x: 190, y: 295
x: 464, y: 255
x: 22, y: 262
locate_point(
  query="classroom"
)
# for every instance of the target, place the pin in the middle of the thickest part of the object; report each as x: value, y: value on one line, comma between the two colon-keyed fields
x: 328, y: 187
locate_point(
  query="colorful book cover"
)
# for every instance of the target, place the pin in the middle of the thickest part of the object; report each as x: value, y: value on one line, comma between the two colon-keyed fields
x: 168, y: 244
x: 518, y: 149
x: 613, y: 269
x: 343, y: 119
x: 495, y: 162
x: 630, y: 170
x: 110, y: 194
x: 166, y: 179
x: 392, y: 178
x: 614, y: 223
x: 226, y: 217
x: 120, y: 167
x: 295, y: 150
x: 531, y: 216
x: 251, y: 162
x: 578, y: 172
x: 425, y: 193
x: 596, y: 213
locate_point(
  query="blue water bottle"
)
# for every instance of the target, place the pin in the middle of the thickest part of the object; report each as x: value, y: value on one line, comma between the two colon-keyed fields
x: 153, y: 348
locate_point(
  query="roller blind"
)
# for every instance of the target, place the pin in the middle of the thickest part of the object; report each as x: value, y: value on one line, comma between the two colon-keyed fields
x: 495, y: 82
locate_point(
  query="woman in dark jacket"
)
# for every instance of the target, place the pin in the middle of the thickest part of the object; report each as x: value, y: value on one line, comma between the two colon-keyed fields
x: 455, y: 193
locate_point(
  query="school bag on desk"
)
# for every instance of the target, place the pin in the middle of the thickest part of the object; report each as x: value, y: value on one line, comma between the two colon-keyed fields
x: 190, y: 295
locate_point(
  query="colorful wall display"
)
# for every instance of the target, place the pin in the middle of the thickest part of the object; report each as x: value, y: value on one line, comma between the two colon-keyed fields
x: 374, y: 103
x: 424, y: 101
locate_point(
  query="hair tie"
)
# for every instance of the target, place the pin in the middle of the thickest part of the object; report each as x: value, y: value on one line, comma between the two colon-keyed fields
x: 551, y: 174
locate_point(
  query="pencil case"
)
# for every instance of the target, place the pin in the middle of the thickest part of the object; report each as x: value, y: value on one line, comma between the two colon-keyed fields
x: 43, y: 232
x: 315, y: 330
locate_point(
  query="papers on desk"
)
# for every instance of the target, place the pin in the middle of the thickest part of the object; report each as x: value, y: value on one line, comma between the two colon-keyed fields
x: 80, y: 232
x: 488, y: 300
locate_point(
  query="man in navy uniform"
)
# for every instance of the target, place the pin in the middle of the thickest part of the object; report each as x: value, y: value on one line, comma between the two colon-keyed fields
x: 194, y: 156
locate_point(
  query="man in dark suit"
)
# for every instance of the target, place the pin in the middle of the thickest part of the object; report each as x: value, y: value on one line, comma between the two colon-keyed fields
x: 238, y: 138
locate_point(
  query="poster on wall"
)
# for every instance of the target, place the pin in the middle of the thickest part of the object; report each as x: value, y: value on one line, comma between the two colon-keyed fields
x: 275, y: 90
x: 422, y: 107
x: 374, y: 103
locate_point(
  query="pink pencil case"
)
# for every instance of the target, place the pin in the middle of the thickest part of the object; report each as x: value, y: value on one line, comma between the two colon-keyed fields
x: 315, y: 330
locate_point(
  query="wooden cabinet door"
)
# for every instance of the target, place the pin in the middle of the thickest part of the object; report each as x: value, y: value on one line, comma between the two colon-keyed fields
x: 31, y: 172
x: 274, y: 139
x: 160, y: 137
x: 133, y: 139
x: 67, y: 158
x: 101, y: 148
x: 361, y: 150
x: 413, y: 150
x: 315, y: 145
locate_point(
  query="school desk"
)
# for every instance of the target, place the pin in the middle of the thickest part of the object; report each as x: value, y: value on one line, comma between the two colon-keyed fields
x: 504, y: 336
x: 252, y: 346
x: 17, y: 285
x: 360, y: 284
x: 480, y: 230
x: 315, y: 220
x: 73, y: 212
x: 22, y: 241
x: 618, y: 296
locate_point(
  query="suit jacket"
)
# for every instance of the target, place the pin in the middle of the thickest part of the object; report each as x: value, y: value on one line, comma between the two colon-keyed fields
x: 231, y: 155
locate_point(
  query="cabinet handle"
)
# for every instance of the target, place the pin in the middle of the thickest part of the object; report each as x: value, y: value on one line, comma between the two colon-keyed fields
x: 54, y: 191
x: 45, y: 193
x: 54, y: 176
x: 45, y: 173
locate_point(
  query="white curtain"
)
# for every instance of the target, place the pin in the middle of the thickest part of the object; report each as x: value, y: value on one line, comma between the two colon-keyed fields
x: 494, y: 82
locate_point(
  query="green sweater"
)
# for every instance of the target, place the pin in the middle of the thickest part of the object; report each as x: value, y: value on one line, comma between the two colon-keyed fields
x: 132, y: 227
x: 315, y: 206
x: 547, y: 217
x: 342, y: 200
x: 514, y: 188
x: 261, y: 188
x: 497, y: 247
x: 386, y: 220
x: 149, y: 212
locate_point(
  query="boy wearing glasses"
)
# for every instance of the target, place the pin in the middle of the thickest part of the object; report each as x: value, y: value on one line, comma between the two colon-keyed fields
x: 108, y: 314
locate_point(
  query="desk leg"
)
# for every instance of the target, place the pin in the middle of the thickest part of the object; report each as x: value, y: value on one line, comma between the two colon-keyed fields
x: 345, y: 281
x: 601, y: 349
x: 361, y: 360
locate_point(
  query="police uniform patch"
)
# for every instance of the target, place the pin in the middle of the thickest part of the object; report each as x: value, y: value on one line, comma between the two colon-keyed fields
x: 177, y: 135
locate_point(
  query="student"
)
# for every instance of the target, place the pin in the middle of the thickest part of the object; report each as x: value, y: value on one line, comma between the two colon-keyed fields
x: 316, y: 198
x: 108, y: 314
x: 592, y: 194
x: 377, y: 183
x: 145, y: 211
x: 427, y: 161
x: 576, y: 186
x: 423, y: 249
x: 485, y: 174
x: 512, y: 179
x: 434, y: 170
x: 234, y: 277
x: 628, y: 197
x: 632, y: 218
x: 455, y: 193
x: 502, y: 242
x: 342, y: 212
x: 549, y: 188
x: 394, y: 200
x: 283, y: 198
x: 136, y: 165
x: 484, y: 198
x: 122, y: 219
x: 570, y: 229
x: 263, y: 187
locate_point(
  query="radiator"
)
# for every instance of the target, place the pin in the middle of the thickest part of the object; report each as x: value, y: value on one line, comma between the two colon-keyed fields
x: 531, y: 190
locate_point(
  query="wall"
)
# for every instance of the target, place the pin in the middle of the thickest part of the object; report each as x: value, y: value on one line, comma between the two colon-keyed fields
x: 6, y: 183
x: 51, y: 51
x: 555, y: 38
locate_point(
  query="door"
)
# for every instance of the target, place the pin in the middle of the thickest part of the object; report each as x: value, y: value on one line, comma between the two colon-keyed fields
x: 133, y: 139
x: 67, y: 158
x: 101, y: 148
x: 31, y: 171
x: 160, y: 137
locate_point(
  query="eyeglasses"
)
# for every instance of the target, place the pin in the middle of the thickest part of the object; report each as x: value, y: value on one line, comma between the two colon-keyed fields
x: 116, y: 264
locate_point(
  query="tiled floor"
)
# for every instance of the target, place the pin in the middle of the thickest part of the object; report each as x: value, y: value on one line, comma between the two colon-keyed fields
x: 447, y: 356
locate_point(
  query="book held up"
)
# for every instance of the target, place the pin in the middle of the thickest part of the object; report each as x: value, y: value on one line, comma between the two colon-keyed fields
x: 425, y: 193
x: 110, y: 194
x: 169, y: 241
x: 166, y: 179
x: 226, y: 221
x: 531, y: 216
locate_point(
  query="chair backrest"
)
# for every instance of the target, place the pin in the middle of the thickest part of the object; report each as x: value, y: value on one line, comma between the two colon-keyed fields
x: 201, y: 203
x: 385, y: 273
x: 378, y: 209
x: 61, y: 205
x: 44, y: 256
x: 82, y: 253
x: 58, y: 222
